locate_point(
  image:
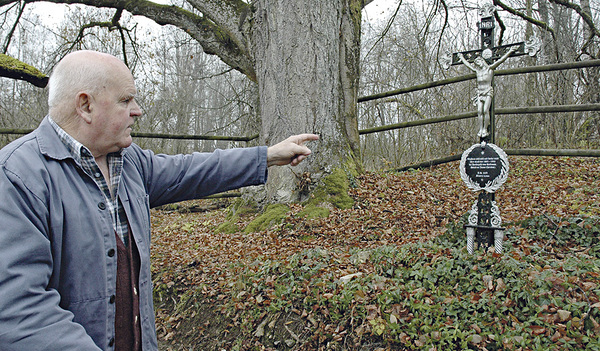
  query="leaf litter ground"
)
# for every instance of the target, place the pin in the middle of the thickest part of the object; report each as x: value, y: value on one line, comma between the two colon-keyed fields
x: 392, y: 272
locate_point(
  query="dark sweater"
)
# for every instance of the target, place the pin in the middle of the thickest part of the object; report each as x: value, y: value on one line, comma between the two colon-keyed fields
x: 127, y: 318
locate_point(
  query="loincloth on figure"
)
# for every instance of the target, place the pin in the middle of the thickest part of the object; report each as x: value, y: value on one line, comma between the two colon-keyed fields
x: 482, y: 95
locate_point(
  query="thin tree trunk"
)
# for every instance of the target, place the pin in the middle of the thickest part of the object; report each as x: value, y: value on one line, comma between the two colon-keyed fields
x: 591, y: 75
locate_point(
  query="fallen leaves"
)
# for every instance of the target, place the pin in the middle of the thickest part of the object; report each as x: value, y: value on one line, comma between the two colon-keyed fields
x: 391, y: 210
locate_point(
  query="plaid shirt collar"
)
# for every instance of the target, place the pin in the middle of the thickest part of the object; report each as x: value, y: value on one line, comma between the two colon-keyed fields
x: 83, y: 157
x: 79, y: 151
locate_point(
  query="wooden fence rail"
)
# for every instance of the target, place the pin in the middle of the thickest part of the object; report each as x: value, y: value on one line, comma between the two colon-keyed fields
x: 498, y: 111
x: 156, y: 135
x: 512, y: 152
x: 500, y: 72
x: 511, y: 110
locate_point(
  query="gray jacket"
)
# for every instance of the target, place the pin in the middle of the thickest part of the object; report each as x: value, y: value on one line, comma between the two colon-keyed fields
x: 57, y: 267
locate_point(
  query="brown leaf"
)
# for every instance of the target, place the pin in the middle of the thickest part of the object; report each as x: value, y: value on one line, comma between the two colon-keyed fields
x: 563, y: 315
x: 556, y: 336
x: 537, y: 330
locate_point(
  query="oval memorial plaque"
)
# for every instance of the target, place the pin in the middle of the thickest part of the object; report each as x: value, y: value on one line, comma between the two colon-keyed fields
x: 484, y: 167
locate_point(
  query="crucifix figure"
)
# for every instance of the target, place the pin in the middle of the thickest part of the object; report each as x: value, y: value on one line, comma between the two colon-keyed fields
x: 485, y: 90
x: 483, y: 61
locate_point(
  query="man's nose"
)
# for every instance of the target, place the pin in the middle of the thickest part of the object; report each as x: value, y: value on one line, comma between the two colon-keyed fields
x: 136, y: 111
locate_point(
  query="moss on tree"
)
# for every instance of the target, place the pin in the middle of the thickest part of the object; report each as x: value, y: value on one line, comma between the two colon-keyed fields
x: 13, y: 68
x: 227, y: 227
x: 238, y: 209
x: 331, y: 192
x: 334, y: 187
x: 273, y: 214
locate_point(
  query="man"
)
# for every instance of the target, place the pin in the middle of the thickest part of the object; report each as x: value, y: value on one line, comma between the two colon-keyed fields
x: 75, y: 212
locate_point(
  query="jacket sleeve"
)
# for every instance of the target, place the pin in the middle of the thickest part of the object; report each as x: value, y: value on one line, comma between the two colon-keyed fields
x: 173, y: 178
x: 30, y: 315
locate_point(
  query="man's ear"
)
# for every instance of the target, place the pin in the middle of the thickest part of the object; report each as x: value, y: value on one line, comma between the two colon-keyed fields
x: 84, y: 106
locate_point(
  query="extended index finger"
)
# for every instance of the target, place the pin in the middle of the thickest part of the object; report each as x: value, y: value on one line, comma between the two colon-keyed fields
x: 300, y: 139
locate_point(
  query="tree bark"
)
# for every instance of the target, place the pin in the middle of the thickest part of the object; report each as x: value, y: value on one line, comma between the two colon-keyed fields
x: 306, y: 60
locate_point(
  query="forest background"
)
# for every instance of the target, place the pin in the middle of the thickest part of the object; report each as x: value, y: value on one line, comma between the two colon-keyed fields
x: 391, y: 270
x: 184, y: 91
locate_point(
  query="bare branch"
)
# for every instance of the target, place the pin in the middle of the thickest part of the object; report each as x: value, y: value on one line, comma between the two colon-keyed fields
x: 587, y: 18
x: 586, y: 45
x: 386, y: 29
x: 445, y: 6
x: 12, y: 30
x: 367, y: 2
x: 228, y: 15
x: 502, y: 28
x: 530, y: 19
x: 224, y: 42
x: 109, y: 25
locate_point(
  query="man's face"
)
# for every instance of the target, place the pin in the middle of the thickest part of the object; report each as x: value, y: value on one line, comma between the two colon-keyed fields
x: 114, y: 114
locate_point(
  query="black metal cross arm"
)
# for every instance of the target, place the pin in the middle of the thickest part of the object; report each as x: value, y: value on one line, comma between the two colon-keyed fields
x: 497, y: 53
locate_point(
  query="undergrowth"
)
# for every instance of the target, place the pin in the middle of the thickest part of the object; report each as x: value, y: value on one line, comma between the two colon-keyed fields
x: 541, y: 293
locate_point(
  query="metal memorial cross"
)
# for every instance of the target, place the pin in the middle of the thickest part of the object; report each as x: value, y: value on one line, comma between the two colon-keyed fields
x: 484, y: 166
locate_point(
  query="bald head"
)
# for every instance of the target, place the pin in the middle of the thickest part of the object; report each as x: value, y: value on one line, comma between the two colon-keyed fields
x: 92, y: 97
x: 80, y: 71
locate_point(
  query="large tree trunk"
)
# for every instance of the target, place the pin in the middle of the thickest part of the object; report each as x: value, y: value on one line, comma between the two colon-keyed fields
x: 306, y: 61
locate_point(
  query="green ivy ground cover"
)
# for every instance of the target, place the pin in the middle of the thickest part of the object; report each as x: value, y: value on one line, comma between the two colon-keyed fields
x: 542, y: 293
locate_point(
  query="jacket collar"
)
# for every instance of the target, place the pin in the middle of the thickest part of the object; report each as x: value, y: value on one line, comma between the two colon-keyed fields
x: 49, y: 143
